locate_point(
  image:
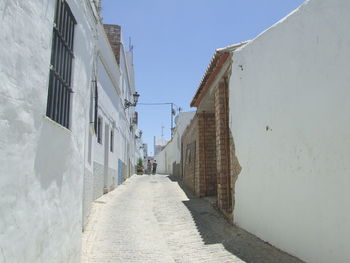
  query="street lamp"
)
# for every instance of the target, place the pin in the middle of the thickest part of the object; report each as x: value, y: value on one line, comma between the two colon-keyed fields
x: 128, y: 104
x: 139, y: 135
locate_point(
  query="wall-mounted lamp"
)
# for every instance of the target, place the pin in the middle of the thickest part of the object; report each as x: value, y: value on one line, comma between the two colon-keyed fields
x: 128, y: 104
x: 139, y: 135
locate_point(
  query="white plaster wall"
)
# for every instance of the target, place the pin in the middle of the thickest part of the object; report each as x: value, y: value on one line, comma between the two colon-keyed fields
x: 160, y: 158
x: 139, y: 149
x: 42, y: 164
x: 294, y: 78
x: 172, y: 152
x: 111, y: 110
x: 182, y: 121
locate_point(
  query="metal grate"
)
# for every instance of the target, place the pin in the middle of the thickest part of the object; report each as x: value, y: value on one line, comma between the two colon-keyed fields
x: 96, y: 107
x: 99, y: 130
x: 59, y: 94
x: 112, y: 141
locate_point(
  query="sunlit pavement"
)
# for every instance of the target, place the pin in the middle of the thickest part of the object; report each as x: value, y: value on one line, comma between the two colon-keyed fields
x: 150, y: 219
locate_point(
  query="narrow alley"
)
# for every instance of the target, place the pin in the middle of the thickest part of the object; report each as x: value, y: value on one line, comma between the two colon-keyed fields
x: 152, y: 219
x: 174, y: 131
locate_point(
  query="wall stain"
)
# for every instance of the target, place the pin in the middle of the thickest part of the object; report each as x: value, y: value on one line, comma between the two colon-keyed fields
x: 236, y: 169
x: 6, y: 5
x: 3, y: 255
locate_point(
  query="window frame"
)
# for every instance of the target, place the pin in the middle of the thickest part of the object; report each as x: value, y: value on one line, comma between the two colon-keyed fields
x: 59, y: 98
x: 111, y: 147
x: 99, y: 129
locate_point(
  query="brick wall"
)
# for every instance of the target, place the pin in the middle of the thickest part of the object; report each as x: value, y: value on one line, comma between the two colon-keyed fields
x: 176, y: 169
x: 207, y: 154
x: 189, y: 154
x: 114, y: 36
x: 224, y: 193
x: 198, y: 155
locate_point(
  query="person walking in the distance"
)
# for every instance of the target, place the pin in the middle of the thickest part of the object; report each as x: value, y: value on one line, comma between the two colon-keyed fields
x: 149, y: 167
x: 154, y: 167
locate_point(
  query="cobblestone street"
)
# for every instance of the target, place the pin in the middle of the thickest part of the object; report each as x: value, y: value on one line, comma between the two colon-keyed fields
x: 151, y: 219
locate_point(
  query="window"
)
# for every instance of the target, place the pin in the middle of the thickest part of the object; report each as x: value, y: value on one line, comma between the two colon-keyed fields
x: 59, y: 93
x: 135, y: 119
x: 112, y: 141
x: 96, y: 107
x: 188, y: 155
x: 99, y: 130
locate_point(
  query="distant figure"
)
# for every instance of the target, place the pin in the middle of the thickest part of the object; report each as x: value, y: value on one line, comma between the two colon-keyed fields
x: 149, y: 167
x: 154, y: 167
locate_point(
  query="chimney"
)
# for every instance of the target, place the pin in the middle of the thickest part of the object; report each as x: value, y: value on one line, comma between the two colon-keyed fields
x: 114, y: 36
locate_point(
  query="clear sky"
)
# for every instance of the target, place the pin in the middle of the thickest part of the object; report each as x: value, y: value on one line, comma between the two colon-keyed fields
x: 174, y: 41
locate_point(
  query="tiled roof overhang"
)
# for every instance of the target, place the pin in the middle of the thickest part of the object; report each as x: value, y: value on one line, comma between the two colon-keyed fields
x: 218, y: 60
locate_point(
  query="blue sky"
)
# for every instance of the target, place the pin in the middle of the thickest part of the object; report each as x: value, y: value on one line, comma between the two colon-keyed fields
x: 174, y: 41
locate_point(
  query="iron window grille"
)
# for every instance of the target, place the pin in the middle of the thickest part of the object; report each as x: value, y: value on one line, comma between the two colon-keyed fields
x: 135, y: 119
x: 99, y: 130
x: 59, y: 93
x: 112, y: 141
x: 96, y: 107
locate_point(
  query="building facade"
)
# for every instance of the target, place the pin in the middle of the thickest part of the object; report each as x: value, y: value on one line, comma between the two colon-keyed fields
x: 113, y: 146
x: 53, y: 60
x: 289, y: 116
x: 209, y: 164
x: 169, y: 158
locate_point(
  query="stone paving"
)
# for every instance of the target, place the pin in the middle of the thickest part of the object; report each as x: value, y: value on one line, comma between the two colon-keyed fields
x: 151, y: 219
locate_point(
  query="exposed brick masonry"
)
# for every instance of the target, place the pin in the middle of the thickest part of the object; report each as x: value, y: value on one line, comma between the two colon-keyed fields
x: 189, y: 155
x: 199, y: 158
x: 223, y: 149
x: 207, y: 153
x: 114, y: 36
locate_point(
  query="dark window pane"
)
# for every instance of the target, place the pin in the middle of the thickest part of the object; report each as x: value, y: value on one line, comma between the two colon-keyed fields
x: 59, y: 92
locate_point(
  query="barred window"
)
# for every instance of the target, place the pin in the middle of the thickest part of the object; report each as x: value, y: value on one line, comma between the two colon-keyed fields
x: 112, y: 141
x: 59, y: 93
x: 99, y: 130
x: 96, y: 106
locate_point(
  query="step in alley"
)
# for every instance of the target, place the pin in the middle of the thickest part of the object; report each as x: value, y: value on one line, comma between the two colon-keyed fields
x: 150, y: 218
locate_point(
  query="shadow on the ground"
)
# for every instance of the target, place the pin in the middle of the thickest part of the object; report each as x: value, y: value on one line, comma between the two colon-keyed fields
x: 174, y: 179
x: 214, y: 229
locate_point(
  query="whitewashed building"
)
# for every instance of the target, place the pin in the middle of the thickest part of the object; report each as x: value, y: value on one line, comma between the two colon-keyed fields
x: 289, y: 116
x: 53, y: 59
x: 112, y: 152
x: 170, y: 157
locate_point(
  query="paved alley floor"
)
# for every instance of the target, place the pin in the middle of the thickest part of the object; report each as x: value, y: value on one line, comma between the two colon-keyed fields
x: 150, y: 219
